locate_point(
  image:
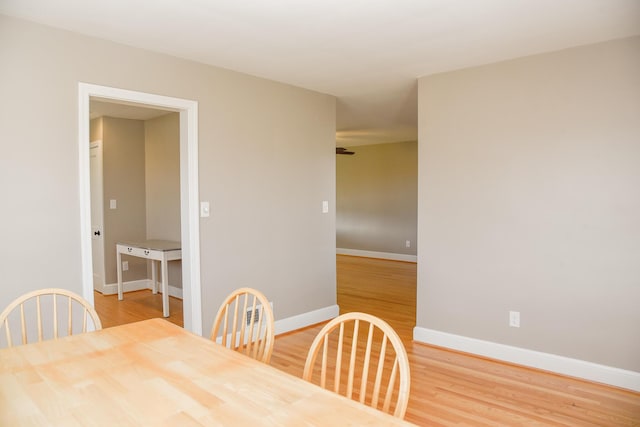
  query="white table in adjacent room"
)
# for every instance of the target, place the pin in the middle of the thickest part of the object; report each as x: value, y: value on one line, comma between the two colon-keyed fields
x: 154, y: 250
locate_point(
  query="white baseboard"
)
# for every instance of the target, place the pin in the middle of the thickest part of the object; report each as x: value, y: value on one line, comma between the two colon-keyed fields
x: 535, y: 359
x: 372, y: 254
x: 133, y: 285
x: 138, y: 285
x: 306, y: 319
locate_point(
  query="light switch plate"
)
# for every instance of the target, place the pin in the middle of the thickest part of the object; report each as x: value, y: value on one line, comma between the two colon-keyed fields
x: 514, y: 319
x: 205, y: 210
x: 325, y: 206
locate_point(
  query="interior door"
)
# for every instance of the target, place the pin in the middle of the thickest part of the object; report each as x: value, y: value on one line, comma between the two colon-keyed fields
x: 97, y: 216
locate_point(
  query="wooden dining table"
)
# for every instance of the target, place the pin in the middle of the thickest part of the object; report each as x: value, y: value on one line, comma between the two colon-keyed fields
x: 154, y: 373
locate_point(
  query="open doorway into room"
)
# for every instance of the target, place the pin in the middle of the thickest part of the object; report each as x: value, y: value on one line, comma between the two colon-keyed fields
x: 183, y: 114
x: 376, y: 231
x: 135, y: 197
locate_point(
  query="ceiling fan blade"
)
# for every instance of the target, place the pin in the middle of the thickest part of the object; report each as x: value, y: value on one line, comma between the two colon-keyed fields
x: 342, y: 150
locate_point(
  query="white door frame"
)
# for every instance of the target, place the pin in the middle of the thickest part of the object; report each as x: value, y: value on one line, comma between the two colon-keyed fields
x: 189, y: 199
x: 96, y: 198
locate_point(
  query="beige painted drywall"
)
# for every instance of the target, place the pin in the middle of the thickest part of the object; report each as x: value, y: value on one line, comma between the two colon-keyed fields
x: 162, y: 184
x: 377, y: 198
x: 266, y: 163
x: 95, y: 129
x: 123, y: 154
x: 529, y: 200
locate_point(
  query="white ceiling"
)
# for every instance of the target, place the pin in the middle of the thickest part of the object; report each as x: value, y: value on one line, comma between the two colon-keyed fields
x: 368, y: 53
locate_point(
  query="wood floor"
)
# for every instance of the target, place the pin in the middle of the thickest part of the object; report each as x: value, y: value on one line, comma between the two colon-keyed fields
x: 448, y: 388
x: 138, y: 305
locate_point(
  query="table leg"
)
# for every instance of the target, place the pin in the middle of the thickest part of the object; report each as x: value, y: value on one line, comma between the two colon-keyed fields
x: 119, y: 273
x: 165, y: 289
x: 154, y: 276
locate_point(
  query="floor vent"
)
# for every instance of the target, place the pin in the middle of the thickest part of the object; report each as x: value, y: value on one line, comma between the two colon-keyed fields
x: 256, y: 313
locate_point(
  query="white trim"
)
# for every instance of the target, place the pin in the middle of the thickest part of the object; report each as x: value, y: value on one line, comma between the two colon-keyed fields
x: 139, y: 285
x: 306, y: 319
x: 130, y: 286
x: 381, y: 255
x: 521, y: 356
x: 84, y: 170
x: 97, y: 145
x: 173, y: 292
x: 190, y: 220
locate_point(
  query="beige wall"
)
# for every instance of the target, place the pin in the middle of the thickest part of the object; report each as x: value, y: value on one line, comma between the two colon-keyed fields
x: 266, y: 162
x: 529, y: 200
x: 95, y: 129
x: 376, y: 198
x: 162, y: 183
x: 124, y: 181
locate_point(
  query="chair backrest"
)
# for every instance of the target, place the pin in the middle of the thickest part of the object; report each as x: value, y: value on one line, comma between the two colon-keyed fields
x: 245, y: 323
x: 371, y: 367
x: 30, y: 312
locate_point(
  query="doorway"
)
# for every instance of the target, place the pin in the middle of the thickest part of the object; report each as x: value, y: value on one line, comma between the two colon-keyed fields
x: 189, y: 223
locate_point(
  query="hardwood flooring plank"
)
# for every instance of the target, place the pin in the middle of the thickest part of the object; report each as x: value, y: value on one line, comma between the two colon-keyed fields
x: 136, y: 306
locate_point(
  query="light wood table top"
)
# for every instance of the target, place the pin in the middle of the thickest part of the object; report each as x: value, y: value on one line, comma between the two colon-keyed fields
x: 154, y: 373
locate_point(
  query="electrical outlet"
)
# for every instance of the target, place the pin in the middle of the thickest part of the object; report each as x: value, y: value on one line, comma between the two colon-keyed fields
x: 125, y: 265
x: 408, y: 243
x: 514, y: 319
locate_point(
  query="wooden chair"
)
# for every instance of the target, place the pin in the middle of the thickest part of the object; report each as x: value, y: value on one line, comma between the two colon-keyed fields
x: 366, y: 352
x: 245, y: 323
x: 63, y: 307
